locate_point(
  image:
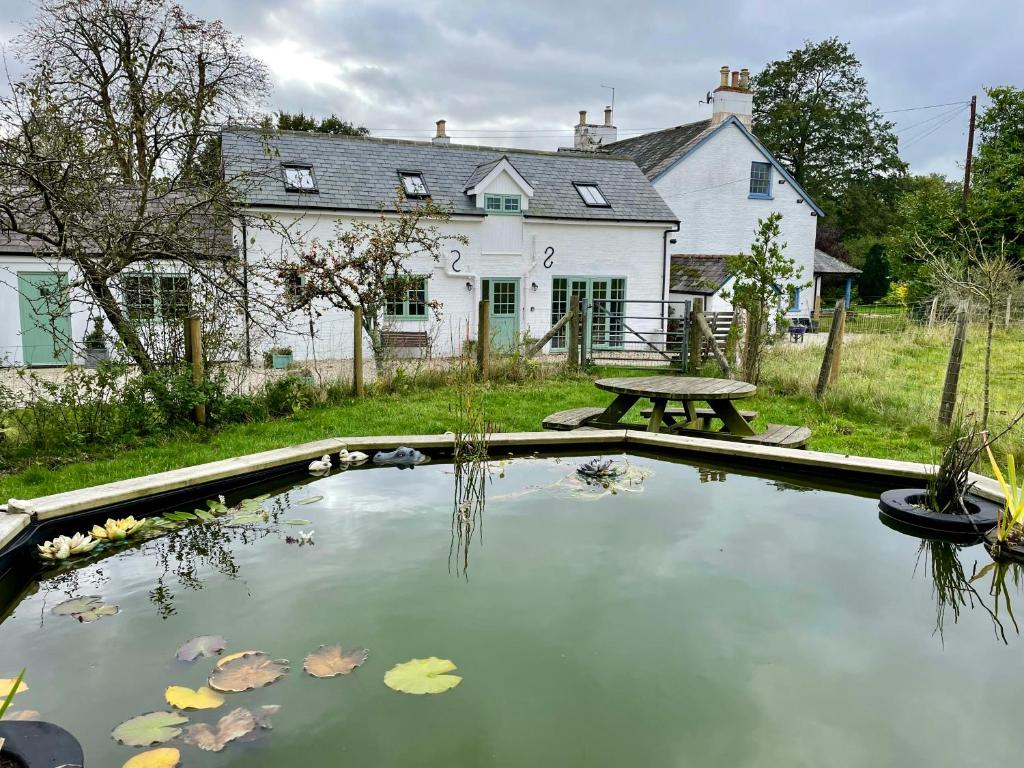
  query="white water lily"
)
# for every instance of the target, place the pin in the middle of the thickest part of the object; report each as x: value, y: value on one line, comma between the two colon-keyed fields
x: 118, y: 530
x: 306, y: 537
x: 63, y: 547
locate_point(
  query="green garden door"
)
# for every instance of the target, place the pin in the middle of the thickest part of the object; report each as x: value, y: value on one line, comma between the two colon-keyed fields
x: 503, y: 295
x: 45, y: 318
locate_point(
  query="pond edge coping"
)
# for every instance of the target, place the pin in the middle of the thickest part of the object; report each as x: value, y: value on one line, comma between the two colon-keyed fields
x: 19, y: 513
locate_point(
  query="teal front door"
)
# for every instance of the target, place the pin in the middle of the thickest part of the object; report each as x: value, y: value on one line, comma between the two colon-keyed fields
x: 503, y: 295
x: 45, y: 318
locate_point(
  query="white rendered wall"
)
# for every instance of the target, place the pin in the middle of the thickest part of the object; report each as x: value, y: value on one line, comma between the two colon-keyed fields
x: 709, y: 193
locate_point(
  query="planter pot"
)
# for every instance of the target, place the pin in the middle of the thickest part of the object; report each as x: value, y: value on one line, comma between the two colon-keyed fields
x: 281, y: 361
x: 40, y: 745
x: 95, y: 355
x: 906, y: 507
x: 1003, y: 550
x: 963, y: 539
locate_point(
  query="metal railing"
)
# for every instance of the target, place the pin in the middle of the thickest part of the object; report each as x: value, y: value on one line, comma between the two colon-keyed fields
x: 633, y: 333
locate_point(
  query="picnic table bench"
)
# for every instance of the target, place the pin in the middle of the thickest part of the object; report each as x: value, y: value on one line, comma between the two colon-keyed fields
x: 719, y: 394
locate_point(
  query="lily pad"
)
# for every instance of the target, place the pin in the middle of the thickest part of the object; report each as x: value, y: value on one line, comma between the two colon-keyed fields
x: 151, y: 728
x: 85, y: 608
x: 22, y: 714
x: 6, y: 684
x: 206, y: 517
x: 163, y: 757
x: 235, y: 725
x: 247, y: 673
x: 329, y: 661
x: 298, y: 522
x: 204, y: 645
x: 310, y: 500
x: 418, y: 676
x: 185, y: 698
x: 246, y: 519
x: 232, y: 656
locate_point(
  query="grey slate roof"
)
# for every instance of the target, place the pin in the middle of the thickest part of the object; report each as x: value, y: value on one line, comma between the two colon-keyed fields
x: 655, y: 152
x: 697, y: 273
x: 361, y: 173
x: 824, y: 264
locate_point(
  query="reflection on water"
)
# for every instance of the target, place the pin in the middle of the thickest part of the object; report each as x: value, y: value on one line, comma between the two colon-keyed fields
x: 472, y: 472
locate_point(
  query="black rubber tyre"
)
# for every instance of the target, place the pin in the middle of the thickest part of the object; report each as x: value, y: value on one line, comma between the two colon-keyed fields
x: 905, y: 505
x: 41, y: 745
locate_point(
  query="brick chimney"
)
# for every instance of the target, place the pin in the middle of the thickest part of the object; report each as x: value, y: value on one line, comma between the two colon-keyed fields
x: 733, y: 97
x: 589, y: 137
x: 441, y: 137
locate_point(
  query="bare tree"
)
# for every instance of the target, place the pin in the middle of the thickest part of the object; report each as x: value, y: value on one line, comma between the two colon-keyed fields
x: 966, y: 267
x: 365, y: 265
x: 108, y: 146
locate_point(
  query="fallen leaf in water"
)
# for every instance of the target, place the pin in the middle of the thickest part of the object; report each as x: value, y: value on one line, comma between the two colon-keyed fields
x: 310, y: 500
x: 233, y: 726
x: 419, y: 676
x: 204, y: 645
x: 151, y: 728
x: 185, y: 698
x: 164, y: 757
x: 22, y: 715
x: 232, y: 656
x: 85, y: 608
x: 329, y: 661
x: 7, y: 683
x: 247, y: 673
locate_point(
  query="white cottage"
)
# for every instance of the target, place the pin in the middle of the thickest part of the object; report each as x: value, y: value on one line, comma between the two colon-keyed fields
x: 542, y: 226
x: 719, y: 180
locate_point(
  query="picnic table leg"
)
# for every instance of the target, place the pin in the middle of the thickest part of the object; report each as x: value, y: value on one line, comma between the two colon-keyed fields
x: 657, y: 415
x: 618, y: 408
x: 730, y: 416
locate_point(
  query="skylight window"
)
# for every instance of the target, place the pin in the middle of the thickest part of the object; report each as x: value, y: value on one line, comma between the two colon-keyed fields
x: 413, y: 184
x: 591, y: 194
x: 299, y: 178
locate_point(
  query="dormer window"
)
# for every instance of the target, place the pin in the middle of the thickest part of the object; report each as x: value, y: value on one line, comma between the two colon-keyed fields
x: 413, y: 184
x: 591, y: 194
x: 503, y: 203
x: 299, y: 178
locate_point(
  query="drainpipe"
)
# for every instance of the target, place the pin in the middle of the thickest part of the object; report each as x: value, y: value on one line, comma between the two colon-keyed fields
x: 667, y: 266
x: 245, y: 293
x: 523, y: 287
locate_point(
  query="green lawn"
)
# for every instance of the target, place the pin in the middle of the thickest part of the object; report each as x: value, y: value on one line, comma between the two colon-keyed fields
x: 883, y: 405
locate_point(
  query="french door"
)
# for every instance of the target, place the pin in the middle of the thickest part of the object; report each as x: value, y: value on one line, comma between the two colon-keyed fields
x: 603, y: 298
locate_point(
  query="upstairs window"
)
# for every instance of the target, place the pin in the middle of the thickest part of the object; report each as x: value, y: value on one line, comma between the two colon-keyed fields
x: 591, y: 194
x: 299, y: 178
x: 413, y: 184
x: 760, y: 179
x: 502, y: 203
x: 406, y: 298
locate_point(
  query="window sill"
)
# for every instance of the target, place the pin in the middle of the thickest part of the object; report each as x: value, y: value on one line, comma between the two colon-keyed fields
x: 760, y: 197
x: 403, y: 319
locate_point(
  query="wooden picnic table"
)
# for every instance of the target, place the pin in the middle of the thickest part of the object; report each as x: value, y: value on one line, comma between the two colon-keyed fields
x: 719, y: 394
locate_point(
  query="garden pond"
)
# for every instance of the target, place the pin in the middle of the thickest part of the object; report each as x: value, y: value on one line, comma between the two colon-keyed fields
x: 674, y: 614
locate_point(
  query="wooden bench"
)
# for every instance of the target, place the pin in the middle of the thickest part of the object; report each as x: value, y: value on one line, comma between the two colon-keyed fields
x: 406, y: 344
x: 704, y: 415
x: 572, y: 418
x: 781, y: 436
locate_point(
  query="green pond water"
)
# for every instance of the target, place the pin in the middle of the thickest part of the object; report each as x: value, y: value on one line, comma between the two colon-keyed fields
x: 698, y: 619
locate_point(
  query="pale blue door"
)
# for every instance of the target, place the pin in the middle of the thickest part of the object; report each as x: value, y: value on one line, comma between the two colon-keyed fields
x: 503, y: 295
x: 45, y: 318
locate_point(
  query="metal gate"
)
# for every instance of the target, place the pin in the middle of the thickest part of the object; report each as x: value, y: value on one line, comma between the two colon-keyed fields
x: 631, y: 333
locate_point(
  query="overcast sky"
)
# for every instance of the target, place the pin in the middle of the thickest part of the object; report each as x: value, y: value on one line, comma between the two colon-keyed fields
x: 516, y: 73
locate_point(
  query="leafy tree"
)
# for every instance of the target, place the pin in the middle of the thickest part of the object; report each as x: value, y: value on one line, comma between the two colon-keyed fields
x: 874, y: 279
x: 812, y: 111
x: 926, y: 211
x: 299, y: 121
x: 758, y: 282
x: 997, y: 188
x: 366, y: 263
x: 102, y: 146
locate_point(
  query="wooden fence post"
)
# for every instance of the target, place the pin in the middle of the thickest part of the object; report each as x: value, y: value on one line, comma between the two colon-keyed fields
x: 1009, y: 305
x: 194, y: 334
x: 357, y: 352
x: 693, y: 336
x: 956, y: 355
x: 934, y: 311
x: 483, y: 340
x: 572, y: 336
x: 835, y: 339
x: 837, y: 354
x: 709, y: 334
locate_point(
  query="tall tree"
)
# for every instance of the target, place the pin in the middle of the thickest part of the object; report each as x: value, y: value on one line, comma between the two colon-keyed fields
x: 997, y: 190
x: 812, y: 111
x: 299, y: 121
x: 103, y: 146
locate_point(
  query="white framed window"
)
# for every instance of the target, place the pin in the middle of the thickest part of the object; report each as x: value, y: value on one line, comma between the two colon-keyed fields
x: 761, y: 180
x: 413, y: 184
x: 503, y: 203
x: 299, y: 178
x: 592, y: 195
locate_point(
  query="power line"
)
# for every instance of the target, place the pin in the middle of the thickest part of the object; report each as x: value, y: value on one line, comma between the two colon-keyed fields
x: 929, y: 132
x: 933, y: 118
x: 927, y: 106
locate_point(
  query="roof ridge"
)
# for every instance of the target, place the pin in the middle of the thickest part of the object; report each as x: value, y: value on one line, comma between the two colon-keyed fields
x: 571, y: 153
x: 660, y: 130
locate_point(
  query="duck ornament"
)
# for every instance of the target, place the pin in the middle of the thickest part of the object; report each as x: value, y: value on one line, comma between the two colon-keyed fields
x: 403, y: 458
x: 321, y: 466
x: 352, y: 457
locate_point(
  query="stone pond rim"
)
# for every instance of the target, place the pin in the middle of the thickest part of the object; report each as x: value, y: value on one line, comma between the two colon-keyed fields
x: 40, y: 745
x: 906, y: 506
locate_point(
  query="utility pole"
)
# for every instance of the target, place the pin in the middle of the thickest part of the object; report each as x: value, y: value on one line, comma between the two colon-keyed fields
x: 970, y: 150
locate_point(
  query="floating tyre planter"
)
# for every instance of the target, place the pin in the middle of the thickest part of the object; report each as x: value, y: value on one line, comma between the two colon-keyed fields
x: 906, y: 507
x: 1005, y: 550
x: 39, y: 745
